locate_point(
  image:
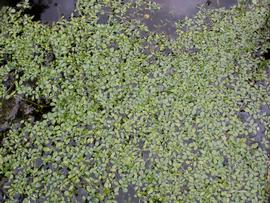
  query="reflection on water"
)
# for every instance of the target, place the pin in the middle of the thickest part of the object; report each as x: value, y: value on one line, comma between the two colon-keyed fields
x: 183, y: 8
x: 173, y: 10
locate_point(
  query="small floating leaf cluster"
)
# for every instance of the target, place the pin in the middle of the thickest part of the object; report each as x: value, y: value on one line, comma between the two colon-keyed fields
x: 184, y: 120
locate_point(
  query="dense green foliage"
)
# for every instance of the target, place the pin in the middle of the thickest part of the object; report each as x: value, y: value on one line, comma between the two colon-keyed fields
x: 163, y: 117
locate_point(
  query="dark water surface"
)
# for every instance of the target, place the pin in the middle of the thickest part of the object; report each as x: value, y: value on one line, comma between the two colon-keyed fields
x: 49, y: 11
x: 182, y: 8
x: 55, y: 9
x: 174, y: 10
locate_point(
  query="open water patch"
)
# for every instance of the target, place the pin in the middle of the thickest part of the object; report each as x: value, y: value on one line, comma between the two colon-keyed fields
x: 160, y: 20
x: 47, y: 11
x: 163, y: 20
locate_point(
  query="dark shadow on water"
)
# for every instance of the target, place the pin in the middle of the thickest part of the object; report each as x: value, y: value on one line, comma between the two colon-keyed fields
x: 36, y: 11
x: 55, y: 9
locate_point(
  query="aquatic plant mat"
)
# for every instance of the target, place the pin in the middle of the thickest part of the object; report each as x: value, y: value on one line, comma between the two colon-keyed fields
x: 113, y: 112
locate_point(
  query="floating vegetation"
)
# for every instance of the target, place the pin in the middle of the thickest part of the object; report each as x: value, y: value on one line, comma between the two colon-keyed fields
x: 112, y: 112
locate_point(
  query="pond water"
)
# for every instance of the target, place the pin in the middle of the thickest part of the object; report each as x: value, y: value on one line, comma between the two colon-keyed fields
x: 159, y: 21
x: 55, y: 9
x: 49, y: 11
x: 163, y: 20
x: 182, y: 8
